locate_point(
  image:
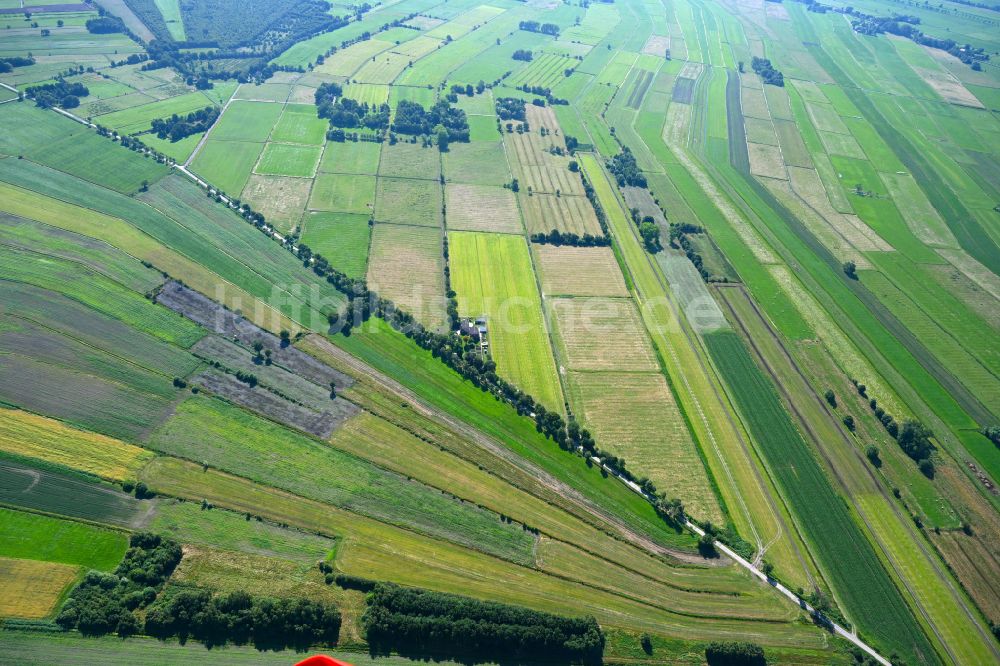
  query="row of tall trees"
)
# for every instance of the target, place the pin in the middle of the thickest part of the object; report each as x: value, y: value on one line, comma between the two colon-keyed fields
x: 420, y: 622
x: 176, y: 127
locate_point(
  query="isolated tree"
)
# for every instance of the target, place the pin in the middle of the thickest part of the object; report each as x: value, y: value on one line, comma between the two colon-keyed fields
x: 647, y: 643
x: 850, y: 270
x: 831, y: 398
x: 927, y: 468
x: 849, y: 422
x: 872, y: 453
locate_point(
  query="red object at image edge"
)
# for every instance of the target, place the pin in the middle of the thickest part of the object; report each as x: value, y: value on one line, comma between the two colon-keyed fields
x: 321, y: 660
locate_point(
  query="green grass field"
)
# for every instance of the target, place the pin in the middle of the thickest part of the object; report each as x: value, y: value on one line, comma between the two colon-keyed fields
x: 299, y: 124
x: 407, y: 201
x: 343, y: 193
x: 32, y: 536
x: 342, y: 238
x: 76, y: 150
x: 358, y: 157
x: 226, y: 164
x: 849, y: 560
x: 226, y: 437
x: 492, y: 274
x: 286, y: 159
x: 247, y: 121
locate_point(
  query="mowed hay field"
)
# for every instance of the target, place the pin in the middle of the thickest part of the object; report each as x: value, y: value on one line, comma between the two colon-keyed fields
x: 482, y: 208
x: 579, y: 271
x: 545, y: 212
x: 492, y: 275
x: 634, y: 415
x: 31, y: 589
x: 478, y: 163
x: 25, y: 434
x: 281, y: 199
x: 602, y: 334
x: 406, y: 265
x: 408, y: 201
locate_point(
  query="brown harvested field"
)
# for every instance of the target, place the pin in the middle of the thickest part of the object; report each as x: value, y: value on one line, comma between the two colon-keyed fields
x: 406, y: 265
x: 482, y: 208
x: 579, y: 271
x: 536, y: 168
x: 634, y: 415
x: 279, y: 198
x: 601, y: 334
x: 544, y: 116
x: 274, y: 407
x: 656, y: 45
x: 545, y: 212
x: 950, y: 88
x: 302, y: 95
x: 976, y: 567
x: 766, y: 161
x: 31, y: 589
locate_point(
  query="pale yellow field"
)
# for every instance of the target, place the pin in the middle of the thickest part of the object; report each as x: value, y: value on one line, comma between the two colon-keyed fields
x: 602, y: 334
x: 31, y: 589
x: 35, y: 436
x: 482, y: 208
x: 579, y: 271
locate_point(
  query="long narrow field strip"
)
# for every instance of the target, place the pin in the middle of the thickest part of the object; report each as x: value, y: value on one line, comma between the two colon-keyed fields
x: 850, y: 561
x: 228, y: 438
x: 38, y: 437
x: 493, y: 276
x: 602, y: 334
x: 375, y: 550
x: 406, y: 265
x: 579, y: 271
x: 634, y: 415
x: 482, y: 208
x: 32, y: 589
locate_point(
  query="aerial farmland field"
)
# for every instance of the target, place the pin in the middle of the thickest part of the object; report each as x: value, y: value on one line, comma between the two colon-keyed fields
x: 734, y: 385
